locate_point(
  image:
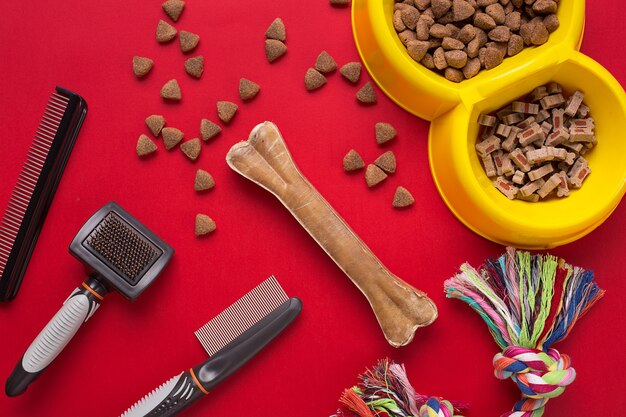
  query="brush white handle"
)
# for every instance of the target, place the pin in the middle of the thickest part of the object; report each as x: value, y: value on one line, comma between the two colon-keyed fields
x: 76, y: 310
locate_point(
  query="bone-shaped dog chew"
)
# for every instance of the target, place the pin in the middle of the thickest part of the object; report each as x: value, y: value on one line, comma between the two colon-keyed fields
x: 265, y: 160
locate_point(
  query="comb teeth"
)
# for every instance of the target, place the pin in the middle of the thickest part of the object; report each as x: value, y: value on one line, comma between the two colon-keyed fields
x: 241, y: 315
x: 29, y: 176
x: 122, y: 247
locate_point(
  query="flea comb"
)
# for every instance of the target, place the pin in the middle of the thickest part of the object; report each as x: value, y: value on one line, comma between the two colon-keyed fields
x: 120, y: 254
x: 36, y: 185
x: 232, y: 338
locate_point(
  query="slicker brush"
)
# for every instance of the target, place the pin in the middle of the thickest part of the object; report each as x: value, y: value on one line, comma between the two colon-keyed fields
x: 120, y: 254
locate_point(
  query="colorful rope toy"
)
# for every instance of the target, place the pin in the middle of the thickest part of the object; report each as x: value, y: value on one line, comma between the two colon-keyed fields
x: 385, y: 390
x: 529, y: 302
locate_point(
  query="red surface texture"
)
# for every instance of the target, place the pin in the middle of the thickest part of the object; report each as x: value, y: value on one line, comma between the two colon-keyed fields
x: 127, y: 349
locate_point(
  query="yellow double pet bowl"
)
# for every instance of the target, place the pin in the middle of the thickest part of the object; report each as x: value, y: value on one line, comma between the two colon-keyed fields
x: 454, y: 108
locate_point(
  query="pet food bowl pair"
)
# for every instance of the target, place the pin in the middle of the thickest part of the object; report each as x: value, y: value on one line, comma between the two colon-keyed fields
x: 453, y: 110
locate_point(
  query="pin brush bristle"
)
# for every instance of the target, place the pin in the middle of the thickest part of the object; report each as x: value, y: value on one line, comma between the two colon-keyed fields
x: 122, y: 247
x: 241, y: 315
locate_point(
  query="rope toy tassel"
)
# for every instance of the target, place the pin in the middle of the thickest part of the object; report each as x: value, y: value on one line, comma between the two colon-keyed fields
x: 385, y: 390
x: 529, y: 302
x: 354, y: 403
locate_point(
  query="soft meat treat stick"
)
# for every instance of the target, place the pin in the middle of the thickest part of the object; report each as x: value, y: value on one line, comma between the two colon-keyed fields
x: 265, y: 160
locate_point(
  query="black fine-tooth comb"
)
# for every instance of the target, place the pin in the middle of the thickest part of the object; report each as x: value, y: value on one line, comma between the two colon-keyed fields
x: 36, y: 185
x: 231, y: 338
x: 121, y: 254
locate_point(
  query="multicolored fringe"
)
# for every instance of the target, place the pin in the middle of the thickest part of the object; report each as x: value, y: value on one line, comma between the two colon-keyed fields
x: 385, y: 390
x: 529, y: 302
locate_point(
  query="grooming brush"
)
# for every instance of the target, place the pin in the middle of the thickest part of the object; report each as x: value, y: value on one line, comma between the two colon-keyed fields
x: 232, y: 338
x: 36, y: 185
x: 121, y: 254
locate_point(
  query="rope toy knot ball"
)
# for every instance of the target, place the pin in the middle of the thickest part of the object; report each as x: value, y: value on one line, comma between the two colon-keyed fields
x: 539, y: 375
x: 437, y: 407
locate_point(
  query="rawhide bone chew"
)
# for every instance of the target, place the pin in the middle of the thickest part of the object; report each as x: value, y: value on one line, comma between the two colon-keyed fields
x: 265, y: 160
x: 529, y: 302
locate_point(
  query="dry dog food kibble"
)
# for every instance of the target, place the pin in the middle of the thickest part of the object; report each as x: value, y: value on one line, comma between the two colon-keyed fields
x: 313, y: 79
x: 351, y: 71
x: 458, y: 38
x: 191, y: 148
x: 155, y: 123
x: 325, y: 63
x: 352, y: 161
x: 208, y: 129
x: 188, y: 41
x: 248, y: 89
x: 226, y: 110
x: 274, y: 49
x: 374, y: 175
x: 145, y: 146
x: 402, y: 198
x: 386, y: 162
x: 195, y: 66
x: 204, y: 181
x: 276, y: 30
x: 171, y: 91
x: 204, y: 225
x: 173, y: 8
x: 532, y: 148
x: 171, y: 137
x: 165, y: 32
x: 384, y: 132
x: 366, y: 94
x: 141, y: 66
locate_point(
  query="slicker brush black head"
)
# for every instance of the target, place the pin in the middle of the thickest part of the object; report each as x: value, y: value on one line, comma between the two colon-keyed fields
x: 125, y: 255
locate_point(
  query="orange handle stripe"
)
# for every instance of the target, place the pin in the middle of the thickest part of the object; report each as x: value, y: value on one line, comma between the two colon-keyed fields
x: 195, y: 379
x: 91, y: 290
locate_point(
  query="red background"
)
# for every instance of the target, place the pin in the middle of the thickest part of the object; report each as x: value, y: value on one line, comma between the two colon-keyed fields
x: 127, y: 349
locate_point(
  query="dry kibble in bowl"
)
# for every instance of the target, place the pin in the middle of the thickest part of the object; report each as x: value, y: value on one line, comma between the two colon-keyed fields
x: 459, y: 38
x: 533, y: 147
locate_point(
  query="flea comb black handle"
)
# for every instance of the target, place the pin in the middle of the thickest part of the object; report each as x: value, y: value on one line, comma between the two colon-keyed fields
x: 181, y: 391
x: 76, y: 310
